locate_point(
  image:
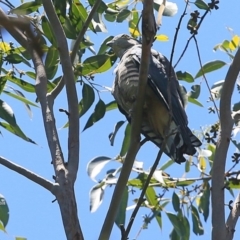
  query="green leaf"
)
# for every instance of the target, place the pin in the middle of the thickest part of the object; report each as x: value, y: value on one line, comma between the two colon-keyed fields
x: 3, y: 81
x: 175, y: 222
x: 88, y: 98
x: 69, y: 30
x: 233, y: 183
x: 134, y: 24
x: 103, y: 48
x: 110, y: 17
x: 187, y: 166
x: 21, y: 98
x: 48, y: 31
x: 121, y: 213
x: 209, y: 67
x: 194, y: 93
x: 2, y: 227
x: 194, y: 101
x: 26, y: 8
x: 174, y: 236
x: 21, y: 238
x: 60, y: 8
x: 113, y: 134
x: 98, y: 113
x: 4, y: 211
x: 15, y: 129
x: 135, y: 183
x: 184, y: 183
x: 123, y: 14
x: 101, y: 8
x: 204, y: 200
x: 166, y: 165
x: 21, y: 83
x: 51, y: 62
x: 197, y: 225
x: 6, y: 113
x: 201, y: 4
x: 111, y: 106
x: 82, y: 13
x: 95, y: 166
x: 175, y: 202
x: 126, y: 140
x: 185, y: 76
x: 15, y: 58
x: 96, y: 64
x: 236, y: 107
x: 98, y: 24
x: 151, y: 197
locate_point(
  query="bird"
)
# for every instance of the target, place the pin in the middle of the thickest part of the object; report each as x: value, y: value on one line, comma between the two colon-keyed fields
x: 162, y: 119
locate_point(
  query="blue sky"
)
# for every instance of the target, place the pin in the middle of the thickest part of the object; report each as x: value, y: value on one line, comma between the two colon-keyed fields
x: 32, y: 213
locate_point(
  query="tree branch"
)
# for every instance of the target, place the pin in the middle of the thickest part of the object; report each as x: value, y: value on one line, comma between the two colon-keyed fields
x: 28, y: 174
x: 149, y: 30
x: 232, y: 218
x: 218, y: 169
x: 73, y: 134
x: 75, y: 49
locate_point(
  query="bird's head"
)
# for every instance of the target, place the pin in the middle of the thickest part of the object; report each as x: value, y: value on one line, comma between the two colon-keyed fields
x: 121, y: 43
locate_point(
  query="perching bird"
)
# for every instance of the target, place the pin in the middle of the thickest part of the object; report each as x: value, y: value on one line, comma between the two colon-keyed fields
x: 156, y: 109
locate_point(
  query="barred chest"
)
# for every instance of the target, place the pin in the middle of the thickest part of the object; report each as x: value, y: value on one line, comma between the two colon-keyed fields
x: 126, y: 83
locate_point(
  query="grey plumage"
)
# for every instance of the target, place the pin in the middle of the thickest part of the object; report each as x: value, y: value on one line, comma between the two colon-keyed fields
x: 156, y: 110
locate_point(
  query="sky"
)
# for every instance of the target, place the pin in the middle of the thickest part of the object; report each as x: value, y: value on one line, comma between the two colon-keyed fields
x: 32, y: 213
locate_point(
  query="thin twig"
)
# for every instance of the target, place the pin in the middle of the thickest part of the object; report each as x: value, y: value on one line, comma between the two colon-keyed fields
x: 28, y: 174
x: 75, y: 49
x: 176, y: 35
x: 204, y: 77
x: 193, y: 34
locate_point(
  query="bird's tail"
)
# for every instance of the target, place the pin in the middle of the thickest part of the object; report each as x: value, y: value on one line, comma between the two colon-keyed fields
x: 178, y: 142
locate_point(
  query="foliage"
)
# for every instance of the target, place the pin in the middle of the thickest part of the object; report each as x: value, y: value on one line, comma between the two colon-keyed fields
x: 176, y: 198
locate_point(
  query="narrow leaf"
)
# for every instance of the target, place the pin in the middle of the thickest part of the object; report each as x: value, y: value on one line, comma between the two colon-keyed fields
x: 194, y: 101
x: 4, y: 211
x: 96, y: 196
x: 15, y: 129
x: 98, y: 113
x: 111, y: 106
x: 6, y: 113
x: 95, y: 166
x: 201, y: 4
x: 162, y: 38
x: 205, y: 200
x: 88, y: 98
x: 209, y: 67
x: 175, y: 202
x: 185, y: 76
x: 113, y: 134
x: 166, y: 164
x: 194, y: 93
x: 121, y: 213
x: 126, y: 140
x: 197, y: 225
